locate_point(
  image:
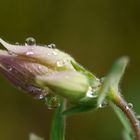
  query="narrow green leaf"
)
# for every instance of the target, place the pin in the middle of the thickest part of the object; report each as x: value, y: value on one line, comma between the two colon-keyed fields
x: 33, y: 136
x: 58, y: 123
x: 113, y: 78
x: 80, y: 68
x: 77, y: 109
x: 127, y: 136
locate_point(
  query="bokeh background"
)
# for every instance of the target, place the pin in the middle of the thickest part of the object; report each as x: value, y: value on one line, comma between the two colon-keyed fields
x: 95, y: 33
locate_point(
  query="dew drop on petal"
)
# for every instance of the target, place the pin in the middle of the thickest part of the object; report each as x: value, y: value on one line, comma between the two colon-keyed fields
x: 29, y: 53
x: 54, y: 53
x: 9, y: 68
x: 30, y: 41
x: 52, y: 46
x: 36, y: 92
x: 52, y: 101
x: 16, y: 43
x: 40, y: 67
x: 60, y: 63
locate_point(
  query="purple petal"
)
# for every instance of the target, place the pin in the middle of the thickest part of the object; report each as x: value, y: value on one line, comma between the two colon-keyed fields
x: 22, y: 73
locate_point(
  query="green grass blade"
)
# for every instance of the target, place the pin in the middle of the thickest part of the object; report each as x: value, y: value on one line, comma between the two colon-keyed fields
x: 113, y: 78
x: 58, y: 123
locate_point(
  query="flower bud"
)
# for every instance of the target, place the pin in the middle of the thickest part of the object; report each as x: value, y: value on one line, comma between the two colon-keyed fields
x: 69, y: 84
x: 41, y: 70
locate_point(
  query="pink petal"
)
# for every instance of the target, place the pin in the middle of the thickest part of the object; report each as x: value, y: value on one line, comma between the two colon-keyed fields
x: 45, y: 55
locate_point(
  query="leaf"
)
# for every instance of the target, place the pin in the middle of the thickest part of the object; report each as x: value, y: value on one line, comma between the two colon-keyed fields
x: 34, y: 137
x: 79, y: 68
x: 113, y: 78
x: 58, y: 123
x: 77, y: 109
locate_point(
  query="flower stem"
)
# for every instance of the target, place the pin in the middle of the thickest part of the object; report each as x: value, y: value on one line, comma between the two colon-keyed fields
x: 58, y: 123
x: 120, y: 102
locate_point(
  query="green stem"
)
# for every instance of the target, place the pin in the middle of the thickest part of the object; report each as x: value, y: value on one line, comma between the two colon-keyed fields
x: 119, y: 101
x: 58, y: 123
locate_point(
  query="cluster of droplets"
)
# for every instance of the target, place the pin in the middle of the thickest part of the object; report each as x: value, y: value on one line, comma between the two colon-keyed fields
x: 52, y: 101
x: 31, y: 42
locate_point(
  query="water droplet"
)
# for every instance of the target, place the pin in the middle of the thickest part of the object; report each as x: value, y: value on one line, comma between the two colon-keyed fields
x: 130, y: 105
x: 37, y: 92
x: 103, y: 105
x: 52, y: 46
x: 29, y: 53
x: 16, y: 43
x: 9, y: 68
x: 137, y: 123
x: 54, y: 53
x: 40, y: 67
x: 30, y: 41
x: 127, y: 107
x: 60, y: 63
x: 40, y: 96
x: 89, y: 92
x: 52, y: 101
x: 138, y: 117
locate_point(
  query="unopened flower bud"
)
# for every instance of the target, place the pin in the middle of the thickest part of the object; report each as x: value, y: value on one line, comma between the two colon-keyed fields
x: 41, y: 70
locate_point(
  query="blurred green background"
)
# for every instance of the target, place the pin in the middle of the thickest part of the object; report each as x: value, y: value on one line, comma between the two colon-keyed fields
x: 95, y: 33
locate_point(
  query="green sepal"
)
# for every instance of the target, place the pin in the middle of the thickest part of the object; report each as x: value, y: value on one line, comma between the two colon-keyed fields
x: 92, y: 78
x: 85, y: 104
x: 77, y: 109
x: 113, y: 78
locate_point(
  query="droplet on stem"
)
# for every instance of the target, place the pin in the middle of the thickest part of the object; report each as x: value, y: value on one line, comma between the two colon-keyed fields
x: 138, y: 117
x: 130, y: 105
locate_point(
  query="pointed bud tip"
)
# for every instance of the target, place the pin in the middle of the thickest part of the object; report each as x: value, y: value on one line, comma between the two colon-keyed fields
x: 124, y: 60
